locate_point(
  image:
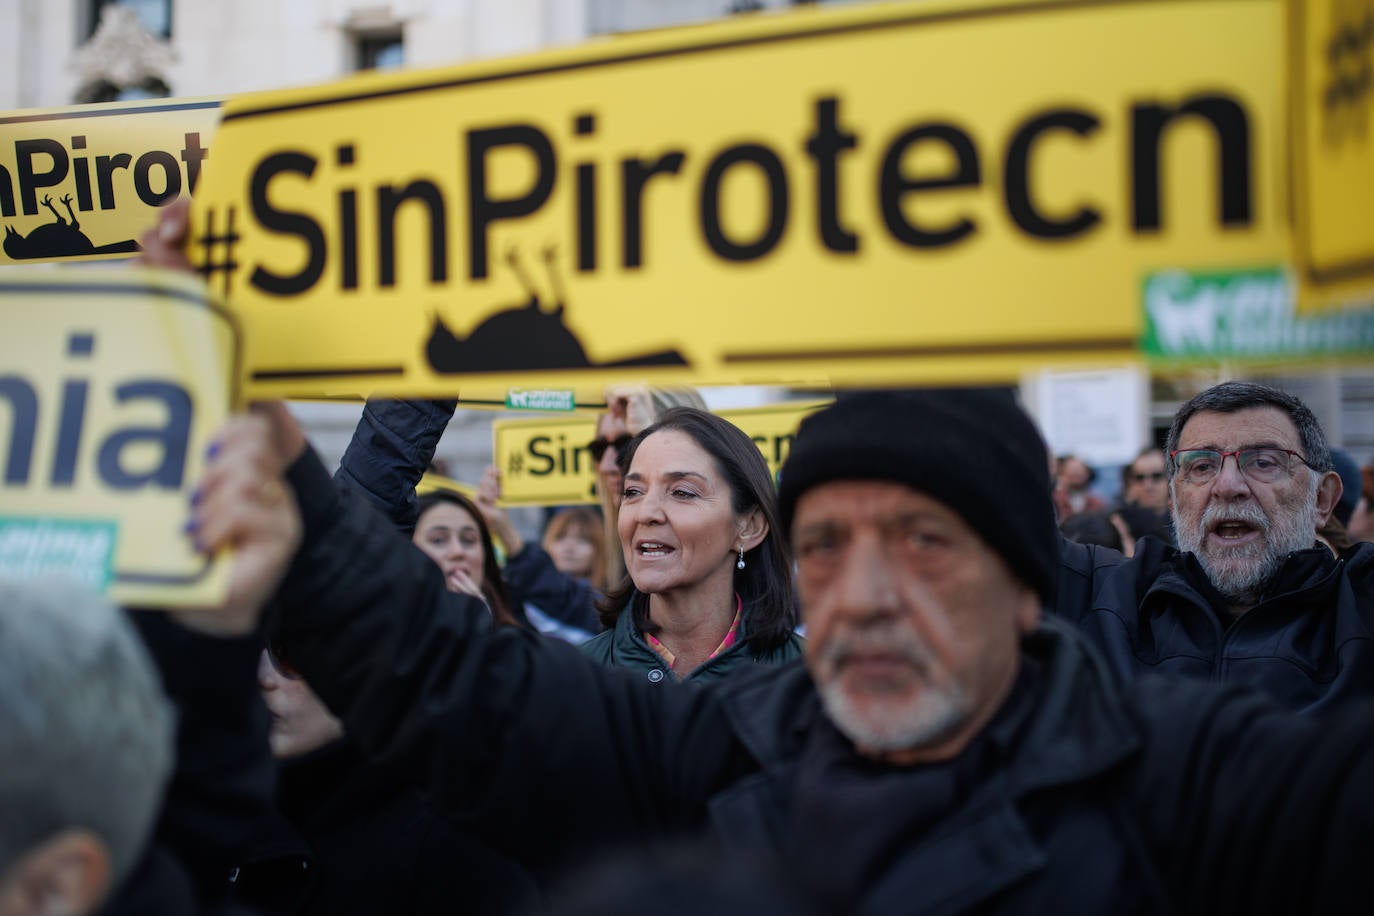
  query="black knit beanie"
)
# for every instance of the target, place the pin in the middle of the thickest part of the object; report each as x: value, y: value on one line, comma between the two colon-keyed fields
x: 975, y: 450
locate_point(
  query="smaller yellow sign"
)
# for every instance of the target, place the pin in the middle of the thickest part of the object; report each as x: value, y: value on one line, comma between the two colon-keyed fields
x: 1333, y: 150
x: 545, y: 462
x: 84, y: 182
x: 431, y: 482
x: 113, y: 383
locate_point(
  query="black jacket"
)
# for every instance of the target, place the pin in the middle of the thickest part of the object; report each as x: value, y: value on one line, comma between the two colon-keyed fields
x: 1309, y: 643
x: 221, y: 789
x: 355, y: 839
x: 532, y: 578
x: 1167, y: 796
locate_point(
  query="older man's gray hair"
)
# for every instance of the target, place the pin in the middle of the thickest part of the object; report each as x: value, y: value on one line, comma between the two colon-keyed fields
x: 85, y: 729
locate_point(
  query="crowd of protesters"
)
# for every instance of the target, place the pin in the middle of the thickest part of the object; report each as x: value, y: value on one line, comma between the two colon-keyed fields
x: 985, y: 715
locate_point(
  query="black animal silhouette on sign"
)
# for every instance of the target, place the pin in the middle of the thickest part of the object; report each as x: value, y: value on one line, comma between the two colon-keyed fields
x: 524, y: 338
x: 59, y: 239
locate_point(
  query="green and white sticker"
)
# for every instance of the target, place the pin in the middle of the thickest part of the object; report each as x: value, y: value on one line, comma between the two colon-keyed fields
x: 79, y: 551
x: 541, y: 399
x: 1245, y: 314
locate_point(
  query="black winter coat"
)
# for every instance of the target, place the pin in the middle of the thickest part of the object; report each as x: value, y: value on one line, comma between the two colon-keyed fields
x: 221, y: 789
x: 1309, y: 643
x: 355, y: 839
x: 1167, y: 796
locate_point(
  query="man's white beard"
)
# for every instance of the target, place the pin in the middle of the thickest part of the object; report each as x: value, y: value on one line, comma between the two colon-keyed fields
x: 1241, y: 573
x: 897, y: 726
x: 897, y: 723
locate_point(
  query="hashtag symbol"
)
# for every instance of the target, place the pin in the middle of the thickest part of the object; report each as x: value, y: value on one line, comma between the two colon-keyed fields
x: 209, y: 266
x: 517, y: 464
x: 1348, y: 92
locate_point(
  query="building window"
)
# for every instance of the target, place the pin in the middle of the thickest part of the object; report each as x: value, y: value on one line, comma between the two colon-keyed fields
x: 105, y: 91
x: 154, y: 15
x: 380, y: 52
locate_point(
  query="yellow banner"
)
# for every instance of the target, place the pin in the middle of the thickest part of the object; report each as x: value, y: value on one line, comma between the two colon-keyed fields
x: 84, y: 182
x: 928, y: 192
x: 545, y: 462
x: 111, y: 386
x: 1333, y: 150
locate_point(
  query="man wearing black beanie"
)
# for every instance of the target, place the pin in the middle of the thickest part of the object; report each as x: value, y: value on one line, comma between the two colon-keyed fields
x: 942, y: 748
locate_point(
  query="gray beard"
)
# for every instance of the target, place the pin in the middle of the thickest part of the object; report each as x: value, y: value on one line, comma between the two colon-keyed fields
x: 890, y: 724
x: 923, y: 722
x: 1241, y: 574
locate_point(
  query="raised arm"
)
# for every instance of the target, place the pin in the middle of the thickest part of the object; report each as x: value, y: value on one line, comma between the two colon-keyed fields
x: 538, y: 750
x: 391, y: 447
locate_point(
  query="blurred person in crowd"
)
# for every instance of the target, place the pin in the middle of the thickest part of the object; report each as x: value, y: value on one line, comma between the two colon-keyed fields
x: 1250, y: 595
x: 1102, y: 528
x: 1144, y: 481
x: 452, y: 532
x: 1073, y: 478
x: 1336, y: 533
x: 573, y: 539
x: 566, y: 571
x: 1144, y: 507
x: 709, y: 584
x: 86, y: 748
x: 1361, y: 525
x: 942, y: 747
x: 354, y: 836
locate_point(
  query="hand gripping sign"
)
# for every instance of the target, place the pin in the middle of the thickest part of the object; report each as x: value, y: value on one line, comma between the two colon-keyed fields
x: 111, y: 386
x: 938, y: 192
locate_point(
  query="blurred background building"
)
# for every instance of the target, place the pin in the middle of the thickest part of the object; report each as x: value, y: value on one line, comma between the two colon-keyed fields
x: 62, y: 52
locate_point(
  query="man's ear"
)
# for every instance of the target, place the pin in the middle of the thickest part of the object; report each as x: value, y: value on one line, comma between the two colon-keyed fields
x: 1328, y: 494
x: 753, y: 528
x: 66, y: 875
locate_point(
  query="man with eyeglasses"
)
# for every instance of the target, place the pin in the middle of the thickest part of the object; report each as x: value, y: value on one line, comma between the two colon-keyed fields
x: 1250, y: 595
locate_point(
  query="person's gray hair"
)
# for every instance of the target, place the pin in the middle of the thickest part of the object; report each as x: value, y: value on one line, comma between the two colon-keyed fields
x: 86, y: 732
x: 1229, y: 397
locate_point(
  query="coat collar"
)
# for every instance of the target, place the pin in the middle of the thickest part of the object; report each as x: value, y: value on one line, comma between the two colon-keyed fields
x: 1078, y: 729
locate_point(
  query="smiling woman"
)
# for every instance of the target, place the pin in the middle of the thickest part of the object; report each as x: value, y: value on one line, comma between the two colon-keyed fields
x: 709, y: 577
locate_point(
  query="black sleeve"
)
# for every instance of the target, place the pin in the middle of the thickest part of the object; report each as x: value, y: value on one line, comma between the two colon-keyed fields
x: 391, y: 447
x: 523, y: 740
x: 533, y: 579
x: 1255, y: 809
x: 222, y: 786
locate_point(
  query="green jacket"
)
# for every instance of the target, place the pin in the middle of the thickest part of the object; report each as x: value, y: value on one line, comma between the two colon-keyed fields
x: 625, y: 647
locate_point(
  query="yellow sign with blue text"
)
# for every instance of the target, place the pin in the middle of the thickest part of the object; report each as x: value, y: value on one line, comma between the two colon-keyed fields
x: 946, y: 191
x: 112, y: 384
x: 545, y: 462
x: 84, y: 182
x: 1333, y: 149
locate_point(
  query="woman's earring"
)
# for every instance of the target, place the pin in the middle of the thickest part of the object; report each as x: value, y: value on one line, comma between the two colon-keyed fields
x: 740, y: 563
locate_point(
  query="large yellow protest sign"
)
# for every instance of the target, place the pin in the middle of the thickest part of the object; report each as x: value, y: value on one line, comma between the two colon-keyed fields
x: 1333, y: 149
x: 84, y: 182
x: 545, y: 461
x: 111, y: 385
x: 935, y: 191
